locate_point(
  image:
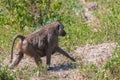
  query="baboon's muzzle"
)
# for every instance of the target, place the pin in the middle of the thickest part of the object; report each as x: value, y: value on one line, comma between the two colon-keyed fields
x: 63, y: 33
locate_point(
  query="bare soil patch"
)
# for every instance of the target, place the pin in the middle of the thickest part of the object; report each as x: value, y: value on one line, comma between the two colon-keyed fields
x: 97, y: 54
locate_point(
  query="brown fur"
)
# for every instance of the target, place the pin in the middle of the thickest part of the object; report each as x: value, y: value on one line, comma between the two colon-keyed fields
x: 43, y: 42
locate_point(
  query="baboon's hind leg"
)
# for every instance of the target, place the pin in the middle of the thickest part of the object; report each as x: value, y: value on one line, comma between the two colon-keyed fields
x: 18, y: 58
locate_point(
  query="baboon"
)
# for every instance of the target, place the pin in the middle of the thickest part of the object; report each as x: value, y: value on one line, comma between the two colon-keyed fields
x: 43, y: 42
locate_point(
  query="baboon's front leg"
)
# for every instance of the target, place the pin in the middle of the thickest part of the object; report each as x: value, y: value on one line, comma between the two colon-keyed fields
x: 48, y: 56
x: 61, y: 51
x: 48, y: 59
x: 37, y: 60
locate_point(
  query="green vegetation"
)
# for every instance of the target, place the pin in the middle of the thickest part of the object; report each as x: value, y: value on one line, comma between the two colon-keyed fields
x: 5, y: 74
x: 25, y: 16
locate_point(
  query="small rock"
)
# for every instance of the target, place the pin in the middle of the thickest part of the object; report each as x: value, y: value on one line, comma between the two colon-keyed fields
x: 64, y: 75
x: 92, y: 6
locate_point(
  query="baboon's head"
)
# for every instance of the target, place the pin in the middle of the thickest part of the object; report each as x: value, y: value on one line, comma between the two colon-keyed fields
x: 60, y: 29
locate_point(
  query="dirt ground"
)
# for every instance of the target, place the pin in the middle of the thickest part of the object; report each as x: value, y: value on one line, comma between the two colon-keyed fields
x: 97, y: 54
x: 63, y: 68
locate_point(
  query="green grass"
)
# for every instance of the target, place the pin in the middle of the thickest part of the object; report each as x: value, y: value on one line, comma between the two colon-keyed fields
x: 5, y: 74
x: 78, y: 34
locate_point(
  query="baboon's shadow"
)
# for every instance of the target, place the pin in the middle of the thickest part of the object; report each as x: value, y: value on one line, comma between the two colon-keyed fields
x: 64, y: 66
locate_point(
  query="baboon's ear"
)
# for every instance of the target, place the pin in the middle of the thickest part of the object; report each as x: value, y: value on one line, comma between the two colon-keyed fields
x: 58, y: 26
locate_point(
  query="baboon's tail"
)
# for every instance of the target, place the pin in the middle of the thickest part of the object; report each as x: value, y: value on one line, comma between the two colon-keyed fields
x: 13, y: 42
